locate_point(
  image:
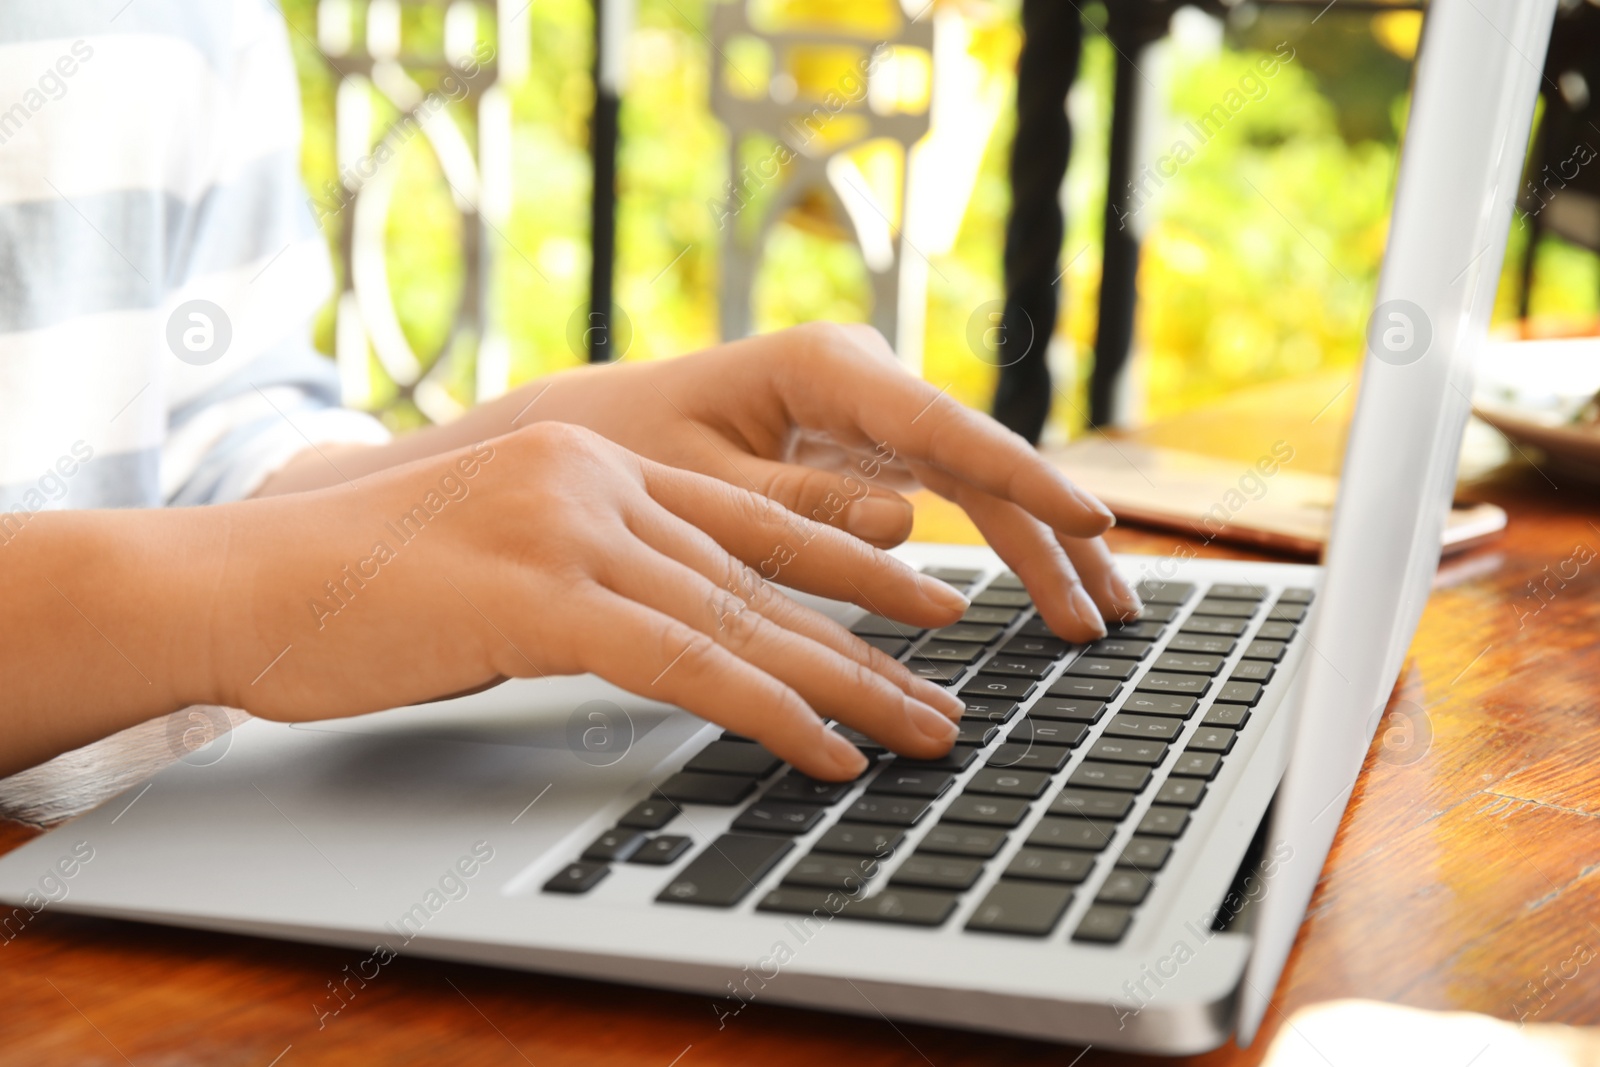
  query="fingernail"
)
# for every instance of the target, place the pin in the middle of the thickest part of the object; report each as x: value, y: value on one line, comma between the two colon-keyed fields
x: 879, y: 518
x: 1126, y: 597
x: 1087, y: 613
x: 942, y: 595
x: 929, y: 722
x: 846, y: 756
x: 940, y: 698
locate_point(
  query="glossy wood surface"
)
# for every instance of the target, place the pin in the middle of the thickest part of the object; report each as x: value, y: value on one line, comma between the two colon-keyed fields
x: 1466, y: 873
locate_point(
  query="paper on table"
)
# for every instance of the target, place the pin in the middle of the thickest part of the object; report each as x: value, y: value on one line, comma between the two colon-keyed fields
x: 1362, y: 1033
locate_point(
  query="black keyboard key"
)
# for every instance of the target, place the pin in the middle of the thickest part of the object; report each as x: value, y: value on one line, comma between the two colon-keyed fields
x: 906, y: 907
x: 686, y: 787
x: 1187, y: 663
x: 726, y: 871
x: 1051, y: 865
x: 999, y: 685
x: 1123, y: 777
x: 1047, y: 732
x: 1163, y: 822
x: 1104, y: 806
x: 1295, y: 596
x: 878, y: 626
x: 1276, y: 631
x: 1158, y: 591
x: 958, y: 759
x: 614, y: 846
x: 951, y: 839
x: 1233, y: 591
x: 961, y: 652
x: 662, y: 850
x: 1181, y: 792
x: 1104, y: 924
x: 1006, y: 580
x: 1068, y: 709
x: 1119, y: 648
x: 1128, y: 750
x: 806, y: 900
x: 1031, y: 909
x: 1150, y: 727
x: 844, y: 874
x: 779, y: 817
x: 1154, y: 704
x: 994, y: 781
x: 1018, y: 666
x: 975, y: 732
x: 1095, y: 667
x: 650, y: 814
x: 859, y: 839
x: 940, y: 672
x: 1158, y: 613
x: 932, y: 871
x: 1003, y: 598
x: 986, y: 811
x: 1189, y: 685
x: 869, y: 746
x: 1213, y: 624
x: 1124, y: 885
x: 886, y: 810
x: 1282, y: 612
x: 1083, y: 834
x: 1246, y: 693
x: 579, y: 877
x: 973, y: 633
x: 1137, y: 631
x: 1205, y: 644
x: 902, y: 781
x: 954, y: 575
x: 1271, y: 651
x: 1197, y: 765
x: 1050, y: 648
x: 1037, y: 627
x: 1233, y: 716
x: 981, y: 616
x: 1014, y: 755
x: 1253, y: 670
x: 993, y: 709
x: 731, y: 757
x: 1085, y: 688
x: 1145, y: 853
x: 893, y: 647
x: 1230, y: 609
x: 1218, y: 739
x: 804, y: 789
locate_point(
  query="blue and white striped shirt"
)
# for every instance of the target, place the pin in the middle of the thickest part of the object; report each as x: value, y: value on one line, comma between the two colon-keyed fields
x: 148, y: 159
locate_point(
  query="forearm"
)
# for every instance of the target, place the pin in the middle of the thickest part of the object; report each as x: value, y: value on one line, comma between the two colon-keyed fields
x: 105, y: 623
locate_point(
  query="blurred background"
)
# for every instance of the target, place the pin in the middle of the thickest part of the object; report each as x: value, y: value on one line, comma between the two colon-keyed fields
x: 465, y: 255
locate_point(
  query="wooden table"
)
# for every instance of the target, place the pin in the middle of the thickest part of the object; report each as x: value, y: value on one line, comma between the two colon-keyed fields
x: 1464, y: 874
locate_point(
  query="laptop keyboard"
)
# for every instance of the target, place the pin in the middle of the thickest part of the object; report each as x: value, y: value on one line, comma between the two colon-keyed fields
x: 1058, y: 746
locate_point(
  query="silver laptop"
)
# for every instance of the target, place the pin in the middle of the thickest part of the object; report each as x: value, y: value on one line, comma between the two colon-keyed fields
x: 1101, y: 858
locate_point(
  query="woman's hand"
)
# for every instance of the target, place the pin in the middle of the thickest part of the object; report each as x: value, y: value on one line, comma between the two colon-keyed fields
x: 822, y: 419
x: 554, y: 551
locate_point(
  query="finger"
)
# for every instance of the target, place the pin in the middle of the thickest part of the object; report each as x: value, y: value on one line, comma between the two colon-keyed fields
x: 660, y: 658
x: 1034, y: 553
x: 801, y: 553
x: 694, y: 548
x: 1111, y: 593
x: 832, y: 684
x: 841, y: 498
x: 913, y: 417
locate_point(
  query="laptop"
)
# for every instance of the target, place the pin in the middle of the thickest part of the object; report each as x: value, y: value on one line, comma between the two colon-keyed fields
x: 1118, y: 852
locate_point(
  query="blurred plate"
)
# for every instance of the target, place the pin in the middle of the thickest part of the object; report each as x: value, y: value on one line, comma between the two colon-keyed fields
x: 1532, y: 391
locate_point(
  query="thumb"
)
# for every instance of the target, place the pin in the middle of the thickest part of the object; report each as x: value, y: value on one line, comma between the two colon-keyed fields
x: 847, y: 500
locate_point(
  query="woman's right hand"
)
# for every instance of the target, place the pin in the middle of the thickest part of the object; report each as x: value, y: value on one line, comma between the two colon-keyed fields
x: 552, y: 551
